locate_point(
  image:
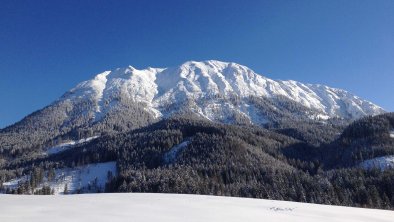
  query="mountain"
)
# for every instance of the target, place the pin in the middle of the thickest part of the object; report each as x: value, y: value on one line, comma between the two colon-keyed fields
x: 126, y: 98
x: 214, y: 90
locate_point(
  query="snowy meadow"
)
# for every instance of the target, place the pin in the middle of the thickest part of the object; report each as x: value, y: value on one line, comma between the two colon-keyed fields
x: 173, y: 207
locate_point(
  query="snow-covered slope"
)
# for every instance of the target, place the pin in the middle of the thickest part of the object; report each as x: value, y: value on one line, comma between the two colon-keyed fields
x: 171, y: 155
x: 172, y: 207
x: 67, y: 145
x: 212, y: 89
x: 382, y: 163
x: 87, y: 178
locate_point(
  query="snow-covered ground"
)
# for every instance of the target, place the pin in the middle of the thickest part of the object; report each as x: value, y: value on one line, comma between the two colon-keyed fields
x: 67, y: 145
x: 383, y: 163
x: 392, y: 133
x: 174, y: 208
x: 88, y: 178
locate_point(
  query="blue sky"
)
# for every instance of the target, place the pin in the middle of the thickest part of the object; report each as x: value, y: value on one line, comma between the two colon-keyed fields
x: 47, y: 47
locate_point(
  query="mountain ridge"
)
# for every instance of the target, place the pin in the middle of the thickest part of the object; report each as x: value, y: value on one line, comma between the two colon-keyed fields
x: 207, y: 80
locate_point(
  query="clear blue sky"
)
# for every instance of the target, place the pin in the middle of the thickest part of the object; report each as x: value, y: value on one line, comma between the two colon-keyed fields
x: 47, y: 47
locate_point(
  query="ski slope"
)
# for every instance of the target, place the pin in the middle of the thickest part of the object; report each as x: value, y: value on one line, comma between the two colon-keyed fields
x: 173, y: 208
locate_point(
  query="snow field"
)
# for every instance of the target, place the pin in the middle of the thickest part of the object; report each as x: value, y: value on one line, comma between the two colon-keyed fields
x: 174, y: 208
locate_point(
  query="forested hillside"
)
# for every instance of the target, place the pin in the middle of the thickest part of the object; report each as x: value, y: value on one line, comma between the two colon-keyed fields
x: 192, y: 155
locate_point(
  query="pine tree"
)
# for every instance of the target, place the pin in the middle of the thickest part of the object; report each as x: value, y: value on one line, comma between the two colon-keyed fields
x: 51, y: 174
x: 65, y: 189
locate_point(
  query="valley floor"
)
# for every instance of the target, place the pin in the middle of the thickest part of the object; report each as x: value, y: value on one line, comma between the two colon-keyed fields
x: 173, y: 207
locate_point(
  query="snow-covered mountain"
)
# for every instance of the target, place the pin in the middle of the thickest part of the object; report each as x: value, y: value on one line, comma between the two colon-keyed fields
x: 215, y: 90
x: 127, y: 98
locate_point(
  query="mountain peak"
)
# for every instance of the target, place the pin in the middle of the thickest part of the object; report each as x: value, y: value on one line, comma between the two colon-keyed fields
x: 209, y: 87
